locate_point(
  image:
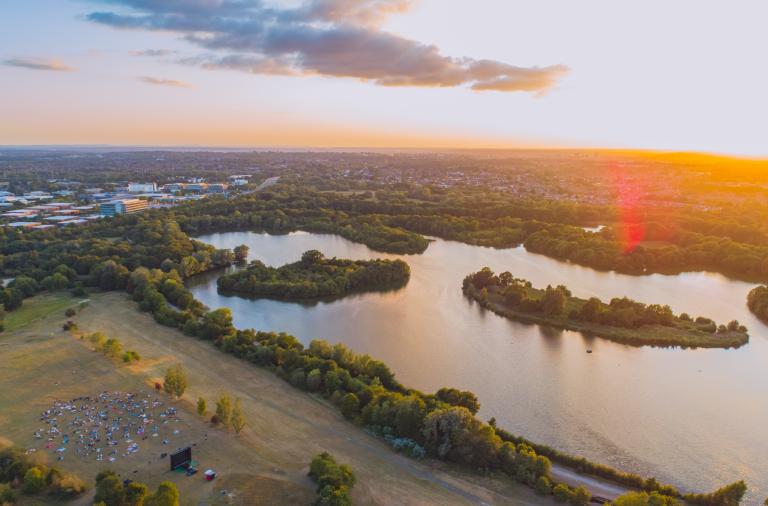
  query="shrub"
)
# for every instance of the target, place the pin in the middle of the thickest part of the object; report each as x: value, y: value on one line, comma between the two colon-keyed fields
x: 34, y: 481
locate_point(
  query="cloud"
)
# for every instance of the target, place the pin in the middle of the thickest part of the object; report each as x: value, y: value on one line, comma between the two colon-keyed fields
x: 164, y: 82
x: 337, y: 38
x: 152, y: 52
x: 38, y: 64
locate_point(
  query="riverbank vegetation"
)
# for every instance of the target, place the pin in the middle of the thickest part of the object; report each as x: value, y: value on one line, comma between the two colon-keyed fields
x: 316, y: 276
x: 622, y: 319
x: 757, y: 301
x: 440, y: 425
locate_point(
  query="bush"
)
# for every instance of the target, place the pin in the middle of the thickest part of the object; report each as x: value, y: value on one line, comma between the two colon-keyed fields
x: 34, y: 481
x: 333, y: 480
x: 70, y: 312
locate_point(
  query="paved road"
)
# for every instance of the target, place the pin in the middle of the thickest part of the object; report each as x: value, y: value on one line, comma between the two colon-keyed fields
x: 266, y: 184
x: 596, y: 487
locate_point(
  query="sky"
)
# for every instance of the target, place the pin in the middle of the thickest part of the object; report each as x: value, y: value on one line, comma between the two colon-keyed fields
x: 687, y: 75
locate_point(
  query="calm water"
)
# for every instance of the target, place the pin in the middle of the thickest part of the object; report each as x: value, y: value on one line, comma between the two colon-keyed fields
x: 695, y: 418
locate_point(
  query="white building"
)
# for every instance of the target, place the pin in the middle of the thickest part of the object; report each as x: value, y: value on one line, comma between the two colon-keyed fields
x: 142, y: 187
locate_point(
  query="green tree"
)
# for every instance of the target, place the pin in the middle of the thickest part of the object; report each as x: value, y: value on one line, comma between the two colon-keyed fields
x: 175, y: 381
x: 131, y: 356
x: 26, y: 285
x: 581, y: 496
x: 109, y: 489
x: 238, y: 417
x: 644, y: 499
x: 136, y: 493
x: 11, y: 298
x: 350, y: 405
x: 224, y: 410
x: 241, y: 253
x: 166, y: 495
x: 112, y: 347
x: 553, y: 301
x: 34, y: 481
x: 55, y: 282
x: 314, y: 380
x: 201, y: 406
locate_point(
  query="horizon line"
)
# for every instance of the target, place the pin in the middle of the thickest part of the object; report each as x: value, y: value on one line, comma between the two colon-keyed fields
x: 428, y: 149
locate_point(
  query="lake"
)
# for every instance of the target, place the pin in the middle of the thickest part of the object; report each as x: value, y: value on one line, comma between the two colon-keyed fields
x: 695, y: 418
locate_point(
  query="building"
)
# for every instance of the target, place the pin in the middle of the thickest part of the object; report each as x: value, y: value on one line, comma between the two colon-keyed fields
x: 24, y: 224
x: 142, y: 187
x: 124, y: 206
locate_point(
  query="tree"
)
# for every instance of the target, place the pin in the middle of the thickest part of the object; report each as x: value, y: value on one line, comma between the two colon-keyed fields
x: 34, y: 481
x: 175, y: 381
x: 314, y: 380
x: 26, y: 285
x: 581, y: 496
x: 728, y: 495
x: 645, y: 499
x: 456, y: 397
x: 166, y: 495
x: 333, y: 480
x: 136, y: 493
x: 241, y: 253
x: 11, y: 299
x: 109, y: 489
x: 217, y: 324
x: 350, y: 405
x: 131, y: 356
x: 55, y: 282
x: 238, y: 418
x: 224, y: 410
x: 112, y: 347
x: 454, y: 434
x: 553, y: 301
x: 201, y: 406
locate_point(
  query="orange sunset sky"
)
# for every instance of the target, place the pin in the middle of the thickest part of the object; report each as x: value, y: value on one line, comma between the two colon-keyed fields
x: 685, y: 75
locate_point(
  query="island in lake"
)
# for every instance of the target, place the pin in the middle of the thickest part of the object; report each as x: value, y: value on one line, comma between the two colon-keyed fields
x: 622, y: 319
x: 757, y: 301
x: 315, y: 276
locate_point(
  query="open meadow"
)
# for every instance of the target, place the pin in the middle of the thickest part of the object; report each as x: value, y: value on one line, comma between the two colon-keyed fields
x: 267, y: 463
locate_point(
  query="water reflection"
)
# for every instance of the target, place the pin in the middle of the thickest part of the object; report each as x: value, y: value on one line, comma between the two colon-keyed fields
x: 696, y: 418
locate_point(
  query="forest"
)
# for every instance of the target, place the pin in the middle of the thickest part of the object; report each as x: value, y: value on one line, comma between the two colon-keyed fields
x: 316, y: 276
x: 622, y: 319
x: 657, y: 240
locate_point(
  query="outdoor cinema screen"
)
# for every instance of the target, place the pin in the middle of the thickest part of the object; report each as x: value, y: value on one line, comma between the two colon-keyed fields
x: 181, y: 458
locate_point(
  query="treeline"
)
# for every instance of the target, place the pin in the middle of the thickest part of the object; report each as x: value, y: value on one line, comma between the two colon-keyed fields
x: 757, y: 301
x: 682, y: 252
x: 111, y: 347
x: 20, y: 475
x: 706, y: 241
x: 316, y: 276
x: 111, y: 490
x: 101, y: 255
x: 513, y: 297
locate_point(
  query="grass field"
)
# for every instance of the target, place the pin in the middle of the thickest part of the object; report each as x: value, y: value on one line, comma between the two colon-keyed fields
x: 38, y: 307
x: 266, y: 464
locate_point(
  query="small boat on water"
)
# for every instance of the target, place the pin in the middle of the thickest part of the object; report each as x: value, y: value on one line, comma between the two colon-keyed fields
x: 589, y: 351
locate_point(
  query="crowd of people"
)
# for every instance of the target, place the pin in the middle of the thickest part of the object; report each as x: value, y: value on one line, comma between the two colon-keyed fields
x: 107, y: 426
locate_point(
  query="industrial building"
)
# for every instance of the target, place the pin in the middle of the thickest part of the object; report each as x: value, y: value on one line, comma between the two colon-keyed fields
x: 142, y: 187
x: 123, y: 206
